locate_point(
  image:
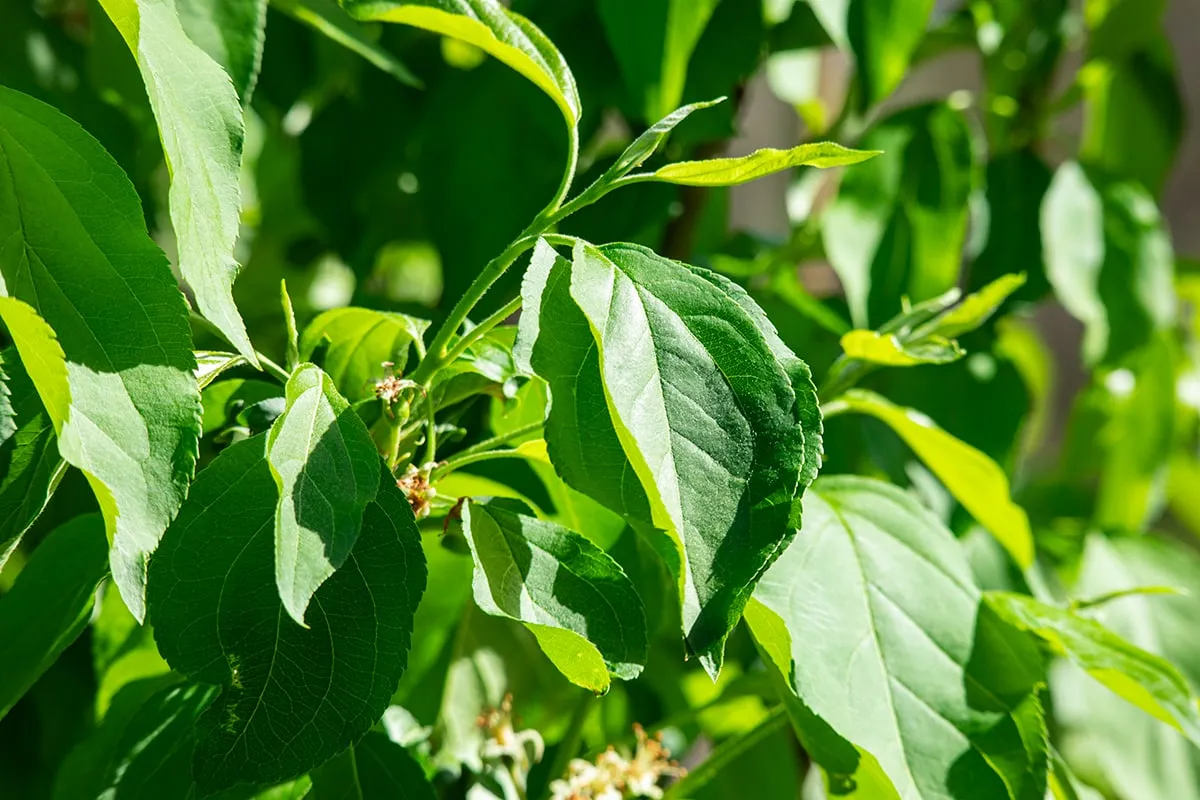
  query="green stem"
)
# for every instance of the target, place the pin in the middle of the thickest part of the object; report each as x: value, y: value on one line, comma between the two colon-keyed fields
x: 496, y: 441
x: 479, y: 331
x: 444, y: 469
x: 431, y: 433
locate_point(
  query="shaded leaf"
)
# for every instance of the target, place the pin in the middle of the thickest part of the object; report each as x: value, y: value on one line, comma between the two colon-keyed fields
x: 571, y: 595
x: 232, y: 33
x: 733, y: 171
x: 328, y: 17
x: 118, y: 383
x: 326, y: 467
x: 49, y: 604
x: 361, y: 341
x: 972, y: 478
x: 375, y: 768
x: 291, y: 697
x: 200, y: 122
x: 30, y: 467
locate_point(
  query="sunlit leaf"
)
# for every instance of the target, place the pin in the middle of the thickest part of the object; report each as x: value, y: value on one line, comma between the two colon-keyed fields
x: 732, y: 171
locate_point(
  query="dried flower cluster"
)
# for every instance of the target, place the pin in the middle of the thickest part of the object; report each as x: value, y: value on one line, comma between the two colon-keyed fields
x: 390, y: 387
x: 613, y: 777
x: 416, y: 487
x: 515, y: 752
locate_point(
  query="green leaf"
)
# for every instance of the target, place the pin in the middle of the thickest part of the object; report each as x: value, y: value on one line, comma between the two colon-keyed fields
x: 1109, y: 260
x: 1118, y: 27
x: 649, y: 419
x: 887, y: 648
x: 49, y: 604
x: 887, y: 349
x: 211, y: 363
x: 291, y: 697
x: 977, y: 308
x: 653, y: 43
x: 734, y: 171
x: 326, y: 468
x: 361, y: 341
x: 200, y: 122
x: 972, y: 478
x: 232, y: 33
x: 1113, y: 743
x: 373, y: 769
x: 1147, y: 681
x: 571, y: 595
x: 898, y: 224
x: 328, y: 18
x: 491, y: 27
x: 1134, y: 115
x: 652, y: 138
x: 30, y: 467
x: 118, y: 383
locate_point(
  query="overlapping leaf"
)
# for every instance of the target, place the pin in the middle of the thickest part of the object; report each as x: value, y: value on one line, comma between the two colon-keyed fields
x: 576, y: 600
x: 327, y: 471
x: 670, y: 407
x: 360, y: 342
x: 200, y: 121
x: 889, y: 650
x: 329, y: 18
x: 232, y: 33
x: 375, y: 768
x: 291, y: 697
x: 114, y: 367
x: 30, y: 467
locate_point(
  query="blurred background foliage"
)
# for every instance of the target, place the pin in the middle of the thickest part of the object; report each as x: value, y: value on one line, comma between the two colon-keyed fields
x: 1038, y: 136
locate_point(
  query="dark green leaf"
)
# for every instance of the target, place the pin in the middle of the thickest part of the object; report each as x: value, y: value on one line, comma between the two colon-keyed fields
x: 291, y: 697
x: 898, y: 224
x: 200, y: 122
x: 326, y: 468
x: 30, y: 467
x: 649, y: 419
x: 571, y: 595
x: 124, y: 403
x: 1118, y: 27
x: 886, y: 645
x: 373, y: 769
x: 328, y: 18
x: 49, y: 604
x: 232, y: 33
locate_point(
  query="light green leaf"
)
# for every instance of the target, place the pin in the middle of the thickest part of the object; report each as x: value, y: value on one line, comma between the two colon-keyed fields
x: 885, y: 645
x: 328, y: 18
x: 232, y: 33
x: 977, y: 308
x: 211, y: 363
x: 291, y: 697
x: 1109, y: 259
x: 361, y: 342
x: 652, y: 138
x: 653, y: 42
x: 30, y: 467
x: 491, y: 27
x: 975, y: 480
x: 326, y: 468
x: 887, y: 349
x: 1147, y: 681
x: 49, y: 604
x: 118, y: 383
x: 292, y: 348
x: 733, y: 171
x: 572, y: 596
x: 375, y: 768
x: 1110, y: 742
x: 670, y: 407
x: 898, y: 224
x: 200, y: 121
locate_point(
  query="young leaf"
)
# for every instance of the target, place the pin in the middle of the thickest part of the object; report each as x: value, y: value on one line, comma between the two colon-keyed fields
x: 49, y: 604
x: 30, y: 467
x: 733, y: 171
x: 291, y: 697
x: 652, y: 138
x: 887, y: 350
x: 232, y: 33
x: 886, y: 644
x: 670, y: 407
x: 974, y: 479
x: 572, y: 596
x: 200, y: 122
x: 653, y: 42
x: 361, y: 341
x: 1109, y: 259
x: 375, y: 768
x: 491, y: 27
x: 326, y: 468
x: 1147, y: 681
x: 211, y: 363
x: 975, y: 309
x: 118, y: 383
x: 329, y: 18
x: 897, y: 226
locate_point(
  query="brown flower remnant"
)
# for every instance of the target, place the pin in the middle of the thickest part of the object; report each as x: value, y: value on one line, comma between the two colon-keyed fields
x: 613, y: 777
x: 390, y: 387
x: 416, y: 487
